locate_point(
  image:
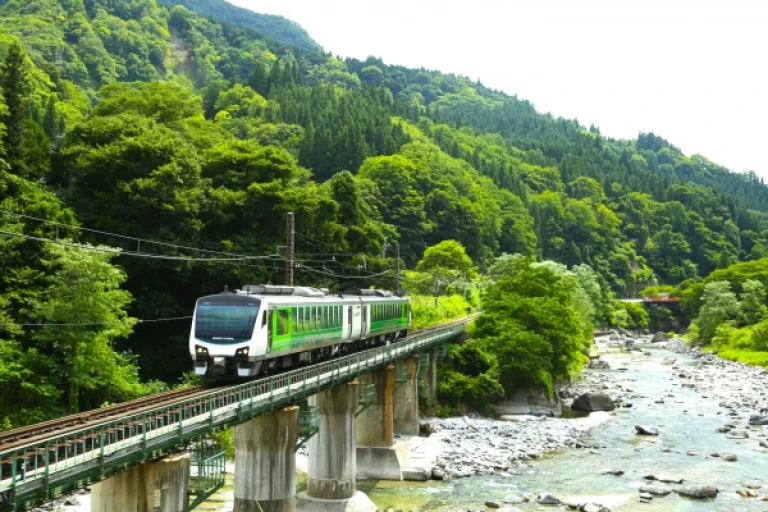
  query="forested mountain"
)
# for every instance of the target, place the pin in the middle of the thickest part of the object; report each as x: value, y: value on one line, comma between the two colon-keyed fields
x: 148, y: 121
x: 277, y: 28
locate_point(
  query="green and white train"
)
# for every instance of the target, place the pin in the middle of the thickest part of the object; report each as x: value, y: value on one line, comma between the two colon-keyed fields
x: 263, y: 329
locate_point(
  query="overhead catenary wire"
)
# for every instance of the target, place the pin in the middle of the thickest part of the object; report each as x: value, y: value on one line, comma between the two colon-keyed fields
x: 184, y: 258
x: 91, y: 324
x: 116, y: 251
x: 231, y: 258
x: 115, y: 235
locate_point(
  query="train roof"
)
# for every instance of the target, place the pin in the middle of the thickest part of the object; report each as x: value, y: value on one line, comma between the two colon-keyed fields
x: 305, y: 294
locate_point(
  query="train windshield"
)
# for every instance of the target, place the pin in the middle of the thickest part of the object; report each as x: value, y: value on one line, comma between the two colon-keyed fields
x: 226, y: 318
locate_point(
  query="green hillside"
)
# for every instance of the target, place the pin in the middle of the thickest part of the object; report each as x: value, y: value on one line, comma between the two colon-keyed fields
x: 156, y: 122
x: 273, y: 27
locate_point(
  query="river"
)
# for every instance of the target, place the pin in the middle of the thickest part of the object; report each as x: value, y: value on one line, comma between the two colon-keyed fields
x: 687, y: 420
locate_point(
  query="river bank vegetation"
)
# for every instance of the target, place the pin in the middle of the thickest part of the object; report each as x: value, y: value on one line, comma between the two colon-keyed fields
x: 151, y: 151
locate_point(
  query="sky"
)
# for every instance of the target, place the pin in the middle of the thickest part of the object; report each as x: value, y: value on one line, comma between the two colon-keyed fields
x: 693, y: 72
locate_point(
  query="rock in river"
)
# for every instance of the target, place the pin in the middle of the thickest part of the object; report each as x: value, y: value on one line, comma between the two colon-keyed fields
x: 656, y: 491
x: 546, y: 498
x: 591, y: 402
x: 699, y: 492
x: 758, y: 419
x: 647, y: 430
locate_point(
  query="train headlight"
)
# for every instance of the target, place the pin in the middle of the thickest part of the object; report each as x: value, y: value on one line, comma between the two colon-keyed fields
x: 201, y: 351
x: 241, y: 352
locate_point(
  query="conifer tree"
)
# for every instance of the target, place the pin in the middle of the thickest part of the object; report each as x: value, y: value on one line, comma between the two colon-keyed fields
x: 14, y: 84
x: 50, y: 120
x: 258, y: 80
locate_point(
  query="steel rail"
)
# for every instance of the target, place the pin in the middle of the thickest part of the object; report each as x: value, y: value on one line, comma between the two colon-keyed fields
x: 31, y: 433
x: 58, y: 462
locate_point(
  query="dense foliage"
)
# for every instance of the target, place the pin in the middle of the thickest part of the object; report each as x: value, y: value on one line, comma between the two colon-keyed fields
x: 163, y: 123
x: 535, y: 330
x: 728, y: 311
x: 273, y: 27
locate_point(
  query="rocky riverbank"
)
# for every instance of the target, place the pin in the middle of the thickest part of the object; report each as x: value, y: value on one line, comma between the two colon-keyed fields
x: 688, y: 425
x: 482, y: 446
x: 740, y: 390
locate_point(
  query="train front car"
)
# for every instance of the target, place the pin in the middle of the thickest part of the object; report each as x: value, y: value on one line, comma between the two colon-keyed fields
x: 228, y: 336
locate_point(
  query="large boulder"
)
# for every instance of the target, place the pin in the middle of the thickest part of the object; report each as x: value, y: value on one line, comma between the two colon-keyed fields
x: 591, y: 402
x: 546, y: 498
x: 660, y: 336
x: 698, y: 492
x: 758, y: 419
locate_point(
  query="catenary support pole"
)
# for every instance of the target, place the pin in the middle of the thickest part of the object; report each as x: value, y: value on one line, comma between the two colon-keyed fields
x: 289, y: 249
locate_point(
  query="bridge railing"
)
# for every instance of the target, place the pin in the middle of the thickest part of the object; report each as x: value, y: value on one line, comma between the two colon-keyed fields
x: 37, y: 469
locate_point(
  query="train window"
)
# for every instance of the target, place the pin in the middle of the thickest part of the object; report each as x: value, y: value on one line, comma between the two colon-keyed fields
x: 295, y: 315
x: 321, y: 317
x: 282, y: 321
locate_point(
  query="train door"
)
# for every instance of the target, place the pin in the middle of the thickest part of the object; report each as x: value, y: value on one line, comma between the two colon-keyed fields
x: 349, y: 323
x: 357, y: 324
x: 364, y: 322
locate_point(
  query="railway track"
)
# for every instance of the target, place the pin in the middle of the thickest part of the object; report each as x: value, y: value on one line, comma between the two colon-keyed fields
x: 61, y: 426
x: 33, y: 433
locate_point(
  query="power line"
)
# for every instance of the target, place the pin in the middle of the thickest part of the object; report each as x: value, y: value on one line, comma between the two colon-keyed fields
x: 314, y: 240
x: 232, y: 258
x: 236, y: 260
x: 171, y: 319
x: 120, y: 252
x: 342, y: 276
x: 115, y: 235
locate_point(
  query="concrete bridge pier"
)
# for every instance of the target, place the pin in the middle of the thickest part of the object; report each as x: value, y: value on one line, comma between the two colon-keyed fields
x: 406, y: 399
x: 332, y: 467
x: 378, y: 456
x: 430, y: 378
x: 160, y: 486
x: 265, y: 464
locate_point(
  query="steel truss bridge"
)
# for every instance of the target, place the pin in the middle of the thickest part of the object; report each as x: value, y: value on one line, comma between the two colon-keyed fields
x: 59, y: 462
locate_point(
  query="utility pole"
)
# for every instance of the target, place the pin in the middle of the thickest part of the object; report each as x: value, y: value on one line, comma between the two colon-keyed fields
x: 437, y: 289
x: 289, y: 248
x: 464, y: 276
x: 397, y: 270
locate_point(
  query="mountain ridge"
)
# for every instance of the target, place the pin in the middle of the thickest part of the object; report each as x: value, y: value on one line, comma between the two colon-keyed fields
x: 277, y: 28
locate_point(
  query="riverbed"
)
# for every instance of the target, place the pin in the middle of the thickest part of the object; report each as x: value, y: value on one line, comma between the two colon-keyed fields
x: 688, y: 400
x: 668, y: 396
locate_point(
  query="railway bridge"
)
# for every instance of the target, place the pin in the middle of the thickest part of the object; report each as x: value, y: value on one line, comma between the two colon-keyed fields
x: 348, y: 410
